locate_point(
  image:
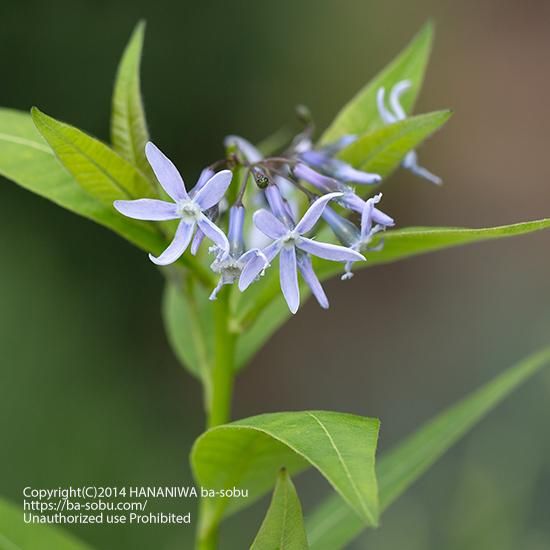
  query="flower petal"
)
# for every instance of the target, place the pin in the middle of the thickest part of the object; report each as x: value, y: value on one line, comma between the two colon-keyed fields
x: 345, y: 172
x: 279, y: 205
x: 383, y: 219
x: 323, y: 183
x: 147, y: 209
x: 352, y: 201
x: 376, y: 215
x: 255, y: 266
x: 306, y: 269
x: 317, y: 159
x: 289, y: 278
x: 366, y: 218
x: 395, y: 98
x: 197, y: 241
x: 212, y: 192
x: 166, y: 172
x: 328, y: 251
x: 272, y: 250
x: 214, y: 233
x: 410, y: 162
x: 177, y: 247
x: 314, y: 212
x: 268, y: 224
x: 385, y: 115
x: 205, y: 175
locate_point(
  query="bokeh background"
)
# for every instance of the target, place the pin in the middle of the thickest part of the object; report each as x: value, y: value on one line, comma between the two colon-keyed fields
x: 89, y: 390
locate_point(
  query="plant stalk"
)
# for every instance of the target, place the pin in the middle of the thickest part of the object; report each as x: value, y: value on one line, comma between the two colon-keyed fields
x: 223, y: 369
x: 219, y: 410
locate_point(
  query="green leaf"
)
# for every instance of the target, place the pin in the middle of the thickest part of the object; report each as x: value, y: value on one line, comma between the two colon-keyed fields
x: 105, y: 175
x: 248, y: 453
x: 360, y: 115
x: 29, y: 161
x: 405, y: 243
x: 100, y: 171
x: 382, y: 150
x: 283, y: 525
x: 263, y: 310
x: 17, y: 535
x: 188, y: 320
x: 332, y: 525
x: 129, y: 132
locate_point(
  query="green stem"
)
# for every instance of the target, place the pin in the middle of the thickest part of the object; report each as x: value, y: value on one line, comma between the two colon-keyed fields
x: 210, y: 540
x: 219, y: 410
x: 223, y: 370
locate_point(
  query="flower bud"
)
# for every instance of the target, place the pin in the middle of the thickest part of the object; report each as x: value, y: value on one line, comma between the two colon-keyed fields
x: 279, y: 206
x: 347, y: 232
x: 235, y: 232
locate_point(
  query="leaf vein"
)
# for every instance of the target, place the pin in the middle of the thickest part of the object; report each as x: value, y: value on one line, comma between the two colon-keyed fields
x: 344, y: 465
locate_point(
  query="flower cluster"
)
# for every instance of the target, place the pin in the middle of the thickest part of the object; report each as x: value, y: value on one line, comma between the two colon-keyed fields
x: 281, y: 184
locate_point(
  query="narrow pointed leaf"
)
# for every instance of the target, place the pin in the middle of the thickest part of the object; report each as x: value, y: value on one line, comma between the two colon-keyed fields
x: 405, y: 243
x: 17, y: 535
x: 360, y: 115
x: 332, y: 526
x: 383, y: 149
x: 129, y: 132
x: 28, y: 160
x: 261, y: 315
x: 248, y: 453
x: 100, y: 171
x: 283, y: 525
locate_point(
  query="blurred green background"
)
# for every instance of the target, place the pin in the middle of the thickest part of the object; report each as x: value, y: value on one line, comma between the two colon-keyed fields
x: 89, y: 390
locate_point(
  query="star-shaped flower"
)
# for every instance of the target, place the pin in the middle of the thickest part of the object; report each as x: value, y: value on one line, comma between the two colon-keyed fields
x: 373, y: 221
x: 230, y: 266
x: 396, y: 113
x: 295, y: 252
x: 190, y: 209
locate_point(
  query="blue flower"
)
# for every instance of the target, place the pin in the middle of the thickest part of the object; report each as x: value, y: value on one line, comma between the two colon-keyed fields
x: 295, y: 250
x: 230, y: 266
x: 373, y: 221
x: 396, y: 113
x: 190, y: 209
